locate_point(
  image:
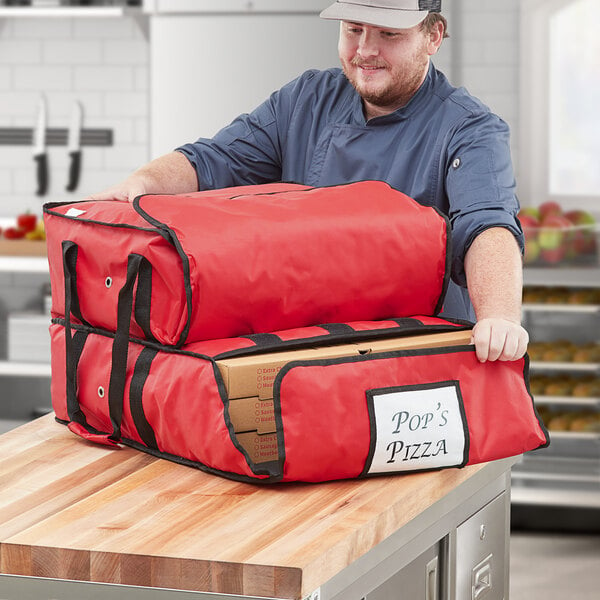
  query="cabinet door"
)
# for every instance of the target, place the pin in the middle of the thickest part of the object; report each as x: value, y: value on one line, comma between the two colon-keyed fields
x: 419, y: 580
x: 206, y: 69
x: 482, y: 553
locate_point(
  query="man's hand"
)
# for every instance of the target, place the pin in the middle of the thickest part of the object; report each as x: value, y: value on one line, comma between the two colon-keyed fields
x: 168, y: 174
x: 495, y: 278
x: 499, y: 339
x: 126, y: 191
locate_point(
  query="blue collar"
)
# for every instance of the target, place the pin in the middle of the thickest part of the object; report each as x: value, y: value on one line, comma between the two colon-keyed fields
x: 400, y: 114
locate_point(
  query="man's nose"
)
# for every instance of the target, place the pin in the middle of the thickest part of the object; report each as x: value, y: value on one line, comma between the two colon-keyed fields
x: 367, y: 44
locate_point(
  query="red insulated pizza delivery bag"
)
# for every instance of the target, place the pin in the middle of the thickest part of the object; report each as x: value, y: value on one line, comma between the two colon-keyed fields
x: 252, y: 259
x: 355, y: 415
x: 274, y: 333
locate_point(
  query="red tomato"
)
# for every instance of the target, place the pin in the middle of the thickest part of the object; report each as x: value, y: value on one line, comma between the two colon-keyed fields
x: 14, y: 233
x: 27, y: 222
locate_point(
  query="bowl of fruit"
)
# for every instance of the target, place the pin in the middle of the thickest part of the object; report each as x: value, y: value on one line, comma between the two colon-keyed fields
x: 555, y: 237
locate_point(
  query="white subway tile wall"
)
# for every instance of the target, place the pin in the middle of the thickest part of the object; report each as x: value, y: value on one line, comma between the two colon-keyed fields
x: 488, y: 57
x: 103, y: 63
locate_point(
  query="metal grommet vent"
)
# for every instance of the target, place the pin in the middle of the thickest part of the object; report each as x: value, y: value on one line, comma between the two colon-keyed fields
x: 108, y: 282
x: 100, y: 391
x: 456, y: 163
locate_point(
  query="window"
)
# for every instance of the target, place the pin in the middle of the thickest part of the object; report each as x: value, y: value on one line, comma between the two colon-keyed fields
x: 560, y: 89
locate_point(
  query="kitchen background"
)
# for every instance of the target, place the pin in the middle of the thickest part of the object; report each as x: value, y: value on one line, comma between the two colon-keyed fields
x: 105, y: 64
x: 154, y: 76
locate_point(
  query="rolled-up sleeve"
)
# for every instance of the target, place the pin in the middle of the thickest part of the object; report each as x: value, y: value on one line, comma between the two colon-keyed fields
x: 480, y: 185
x: 245, y: 152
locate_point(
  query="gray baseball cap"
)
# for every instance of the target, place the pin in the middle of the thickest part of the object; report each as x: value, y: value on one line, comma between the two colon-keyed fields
x: 392, y: 14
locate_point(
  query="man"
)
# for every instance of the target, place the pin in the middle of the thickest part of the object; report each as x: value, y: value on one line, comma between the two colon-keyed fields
x: 388, y: 114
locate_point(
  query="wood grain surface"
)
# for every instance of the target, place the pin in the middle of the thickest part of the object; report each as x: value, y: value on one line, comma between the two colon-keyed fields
x: 70, y: 509
x: 22, y: 248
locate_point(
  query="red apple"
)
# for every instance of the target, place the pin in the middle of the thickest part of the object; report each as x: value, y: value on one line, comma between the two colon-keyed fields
x: 553, y: 255
x: 532, y: 251
x: 580, y: 217
x: 530, y: 226
x: 552, y: 231
x: 584, y: 241
x: 531, y: 211
x: 549, y: 208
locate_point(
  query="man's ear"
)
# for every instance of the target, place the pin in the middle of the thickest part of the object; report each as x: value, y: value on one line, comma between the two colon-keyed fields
x: 436, y: 35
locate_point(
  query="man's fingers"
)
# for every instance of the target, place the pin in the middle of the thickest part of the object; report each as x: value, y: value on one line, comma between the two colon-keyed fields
x: 126, y: 191
x: 510, y: 348
x: 110, y: 194
x: 499, y: 339
x: 481, y: 339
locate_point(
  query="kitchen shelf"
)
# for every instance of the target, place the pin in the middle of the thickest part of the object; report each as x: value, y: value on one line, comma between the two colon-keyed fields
x: 575, y: 436
x: 544, y: 495
x: 567, y: 277
x: 69, y: 11
x: 584, y: 309
x: 23, y: 264
x: 562, y: 477
x: 564, y: 366
x: 23, y: 369
x: 570, y: 400
x: 566, y: 474
x: 556, y: 481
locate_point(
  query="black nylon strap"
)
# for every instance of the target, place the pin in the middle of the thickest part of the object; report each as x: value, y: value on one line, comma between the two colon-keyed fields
x: 263, y: 339
x: 143, y: 298
x: 337, y: 328
x: 136, y: 389
x: 75, y: 347
x: 70, y: 251
x: 408, y: 322
x: 74, y: 344
x: 120, y: 349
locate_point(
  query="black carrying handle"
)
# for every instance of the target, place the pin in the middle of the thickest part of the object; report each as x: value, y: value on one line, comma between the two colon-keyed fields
x: 74, y: 344
x: 138, y: 269
x: 120, y: 348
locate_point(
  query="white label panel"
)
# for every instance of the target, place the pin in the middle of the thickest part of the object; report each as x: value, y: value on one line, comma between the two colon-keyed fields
x: 74, y: 212
x: 417, y: 427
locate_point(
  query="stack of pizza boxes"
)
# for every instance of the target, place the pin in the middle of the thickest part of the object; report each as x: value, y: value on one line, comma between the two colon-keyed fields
x: 250, y: 380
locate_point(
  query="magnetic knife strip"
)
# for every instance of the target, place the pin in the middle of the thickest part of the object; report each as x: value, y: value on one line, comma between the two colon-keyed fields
x: 23, y: 136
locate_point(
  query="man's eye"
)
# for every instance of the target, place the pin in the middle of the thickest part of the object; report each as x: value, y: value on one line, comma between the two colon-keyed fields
x: 389, y: 34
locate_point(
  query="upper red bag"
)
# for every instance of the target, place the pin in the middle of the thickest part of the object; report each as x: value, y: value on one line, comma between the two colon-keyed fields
x: 239, y: 261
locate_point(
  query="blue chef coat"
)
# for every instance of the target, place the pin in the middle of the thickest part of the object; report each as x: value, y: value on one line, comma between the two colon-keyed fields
x: 444, y: 149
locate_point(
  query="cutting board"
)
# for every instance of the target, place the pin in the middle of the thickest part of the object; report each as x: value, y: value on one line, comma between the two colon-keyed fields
x: 22, y: 248
x: 73, y: 510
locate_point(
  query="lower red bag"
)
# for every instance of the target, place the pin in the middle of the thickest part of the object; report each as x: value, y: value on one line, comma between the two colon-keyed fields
x: 336, y: 418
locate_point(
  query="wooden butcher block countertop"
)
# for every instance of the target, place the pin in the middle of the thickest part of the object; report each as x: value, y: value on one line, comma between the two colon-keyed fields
x: 73, y: 510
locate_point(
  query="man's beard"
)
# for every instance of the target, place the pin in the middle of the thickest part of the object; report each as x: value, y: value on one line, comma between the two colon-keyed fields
x: 400, y: 89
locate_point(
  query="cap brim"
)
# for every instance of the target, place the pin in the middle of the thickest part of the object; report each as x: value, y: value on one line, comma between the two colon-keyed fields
x: 381, y: 17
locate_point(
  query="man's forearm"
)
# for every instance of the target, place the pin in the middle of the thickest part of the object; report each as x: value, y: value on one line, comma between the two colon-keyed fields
x: 495, y: 279
x: 495, y: 275
x: 169, y: 174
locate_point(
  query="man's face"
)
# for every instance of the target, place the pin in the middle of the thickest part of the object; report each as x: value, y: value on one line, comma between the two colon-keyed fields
x: 386, y: 66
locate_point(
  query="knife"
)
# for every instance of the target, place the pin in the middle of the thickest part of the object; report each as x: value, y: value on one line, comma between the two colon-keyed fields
x: 74, y: 146
x: 39, y: 148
